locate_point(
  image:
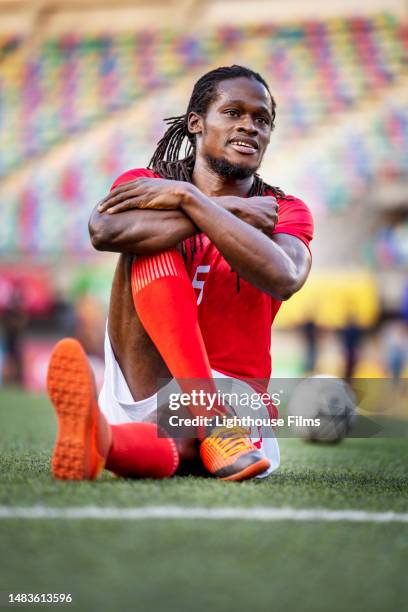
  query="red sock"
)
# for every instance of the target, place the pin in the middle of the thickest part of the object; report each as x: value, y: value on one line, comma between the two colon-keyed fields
x: 166, y: 305
x: 138, y: 452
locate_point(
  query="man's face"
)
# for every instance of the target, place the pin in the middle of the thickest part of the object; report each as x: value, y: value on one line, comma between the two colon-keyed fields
x: 236, y: 130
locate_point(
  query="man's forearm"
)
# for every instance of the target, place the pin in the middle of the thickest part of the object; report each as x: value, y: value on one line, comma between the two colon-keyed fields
x: 139, y: 232
x: 254, y: 256
x: 145, y: 231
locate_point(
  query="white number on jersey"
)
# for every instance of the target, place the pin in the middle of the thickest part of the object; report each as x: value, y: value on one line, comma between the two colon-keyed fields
x: 199, y: 284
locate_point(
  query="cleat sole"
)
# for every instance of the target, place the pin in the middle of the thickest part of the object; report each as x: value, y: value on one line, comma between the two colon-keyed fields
x: 71, y: 388
x: 249, y: 472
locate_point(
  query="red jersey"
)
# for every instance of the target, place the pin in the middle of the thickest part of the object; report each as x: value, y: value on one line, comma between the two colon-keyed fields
x: 235, y: 317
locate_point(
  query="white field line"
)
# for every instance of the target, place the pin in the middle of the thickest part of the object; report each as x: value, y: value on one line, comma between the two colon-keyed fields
x: 180, y: 512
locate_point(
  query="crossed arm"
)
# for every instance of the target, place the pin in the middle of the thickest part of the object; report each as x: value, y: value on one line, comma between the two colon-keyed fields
x: 157, y: 214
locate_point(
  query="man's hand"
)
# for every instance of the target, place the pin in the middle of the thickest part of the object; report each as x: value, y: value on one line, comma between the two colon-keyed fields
x: 277, y: 265
x: 153, y: 193
x: 260, y: 212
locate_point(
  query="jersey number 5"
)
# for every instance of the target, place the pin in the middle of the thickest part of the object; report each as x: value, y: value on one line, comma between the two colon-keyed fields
x: 199, y: 284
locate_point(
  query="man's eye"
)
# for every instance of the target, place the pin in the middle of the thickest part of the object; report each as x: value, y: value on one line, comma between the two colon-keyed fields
x: 232, y: 112
x: 263, y: 120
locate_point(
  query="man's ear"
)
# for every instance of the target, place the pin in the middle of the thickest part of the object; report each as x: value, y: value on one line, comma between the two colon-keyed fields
x: 195, y: 123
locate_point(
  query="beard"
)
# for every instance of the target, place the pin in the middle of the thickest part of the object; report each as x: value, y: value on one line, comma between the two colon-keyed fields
x: 226, y: 169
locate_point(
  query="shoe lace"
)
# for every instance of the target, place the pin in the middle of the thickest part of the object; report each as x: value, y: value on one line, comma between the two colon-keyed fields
x: 231, y: 441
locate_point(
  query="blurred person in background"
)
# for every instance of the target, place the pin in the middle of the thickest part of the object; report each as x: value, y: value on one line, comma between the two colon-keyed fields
x: 14, y: 322
x: 63, y: 313
x: 404, y: 302
x: 351, y: 337
x: 309, y: 332
x: 394, y: 336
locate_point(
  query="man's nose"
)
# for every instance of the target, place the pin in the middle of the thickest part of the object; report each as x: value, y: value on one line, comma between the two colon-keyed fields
x: 247, y: 125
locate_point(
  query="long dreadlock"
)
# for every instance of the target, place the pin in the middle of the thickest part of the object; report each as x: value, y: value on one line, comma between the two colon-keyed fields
x: 166, y: 159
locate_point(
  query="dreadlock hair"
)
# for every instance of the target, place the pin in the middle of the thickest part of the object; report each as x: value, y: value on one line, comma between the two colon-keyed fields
x: 166, y: 159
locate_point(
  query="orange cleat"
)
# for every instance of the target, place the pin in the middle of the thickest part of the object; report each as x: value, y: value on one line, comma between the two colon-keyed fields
x: 229, y: 454
x: 83, y: 437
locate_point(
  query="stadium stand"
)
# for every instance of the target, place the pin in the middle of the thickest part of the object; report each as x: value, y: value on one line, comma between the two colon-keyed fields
x: 389, y: 248
x: 78, y: 89
x: 72, y: 82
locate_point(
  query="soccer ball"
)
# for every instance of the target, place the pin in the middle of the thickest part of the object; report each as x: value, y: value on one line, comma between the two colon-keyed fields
x: 325, y: 398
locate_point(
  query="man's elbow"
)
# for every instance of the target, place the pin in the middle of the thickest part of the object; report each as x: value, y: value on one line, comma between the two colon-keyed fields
x: 98, y: 232
x: 288, y: 287
x: 98, y: 240
x: 98, y: 243
x: 285, y: 295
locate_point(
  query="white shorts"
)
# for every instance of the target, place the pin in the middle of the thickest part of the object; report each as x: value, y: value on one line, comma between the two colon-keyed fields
x: 118, y: 405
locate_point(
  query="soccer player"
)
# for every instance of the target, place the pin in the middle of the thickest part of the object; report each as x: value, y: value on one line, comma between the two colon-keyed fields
x: 208, y: 253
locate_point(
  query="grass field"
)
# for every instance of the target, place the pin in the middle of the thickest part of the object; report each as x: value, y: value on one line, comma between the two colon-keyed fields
x: 220, y: 565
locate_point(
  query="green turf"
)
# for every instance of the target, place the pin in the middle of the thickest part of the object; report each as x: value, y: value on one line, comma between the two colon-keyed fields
x: 223, y: 565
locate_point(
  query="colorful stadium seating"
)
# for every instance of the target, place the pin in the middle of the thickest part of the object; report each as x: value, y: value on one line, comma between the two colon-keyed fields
x: 389, y: 247
x: 317, y: 72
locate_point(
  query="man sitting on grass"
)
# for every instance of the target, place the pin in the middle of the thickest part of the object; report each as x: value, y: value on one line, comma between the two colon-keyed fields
x: 206, y: 222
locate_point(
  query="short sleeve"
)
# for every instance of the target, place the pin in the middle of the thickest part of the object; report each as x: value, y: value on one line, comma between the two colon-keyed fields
x: 131, y: 175
x: 295, y: 218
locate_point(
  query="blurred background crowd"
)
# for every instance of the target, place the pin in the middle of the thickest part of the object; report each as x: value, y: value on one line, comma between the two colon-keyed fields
x: 84, y: 87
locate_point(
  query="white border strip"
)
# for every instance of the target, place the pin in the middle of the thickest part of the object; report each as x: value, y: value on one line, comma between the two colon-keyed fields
x: 180, y: 512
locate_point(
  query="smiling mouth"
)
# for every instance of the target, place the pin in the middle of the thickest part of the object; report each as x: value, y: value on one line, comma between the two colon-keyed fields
x: 244, y: 147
